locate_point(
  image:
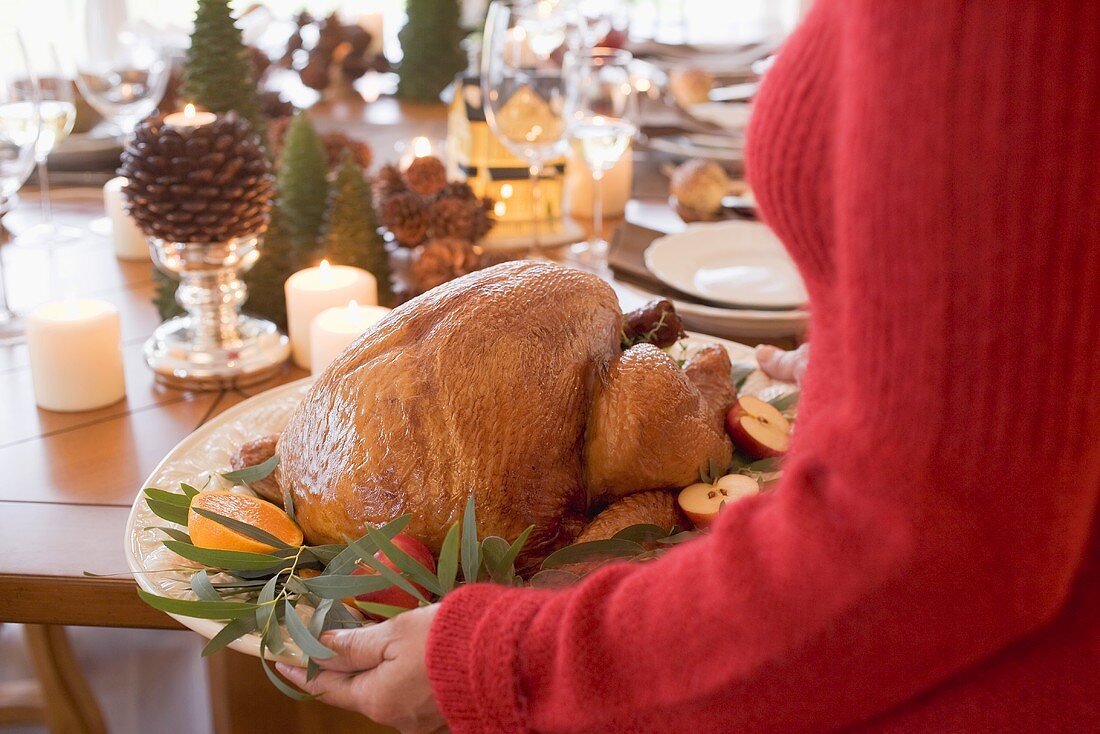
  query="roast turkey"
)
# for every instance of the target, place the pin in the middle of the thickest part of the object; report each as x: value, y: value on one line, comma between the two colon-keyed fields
x: 509, y: 383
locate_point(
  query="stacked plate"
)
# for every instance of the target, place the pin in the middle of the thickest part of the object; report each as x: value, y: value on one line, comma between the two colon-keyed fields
x: 732, y: 279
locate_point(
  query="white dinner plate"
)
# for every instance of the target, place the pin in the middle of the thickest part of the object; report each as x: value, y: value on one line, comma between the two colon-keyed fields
x: 734, y: 263
x: 732, y: 116
x: 195, y: 459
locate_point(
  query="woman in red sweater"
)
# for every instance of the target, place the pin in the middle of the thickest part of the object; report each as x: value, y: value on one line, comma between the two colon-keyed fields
x: 931, y: 561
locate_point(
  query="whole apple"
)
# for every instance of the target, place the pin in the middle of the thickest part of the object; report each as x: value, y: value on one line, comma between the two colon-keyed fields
x: 392, y: 595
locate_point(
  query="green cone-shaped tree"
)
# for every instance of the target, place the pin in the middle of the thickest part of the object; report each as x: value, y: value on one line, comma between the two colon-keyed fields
x: 218, y: 75
x: 430, y: 44
x: 303, y: 185
x: 351, y: 228
x: 265, y: 280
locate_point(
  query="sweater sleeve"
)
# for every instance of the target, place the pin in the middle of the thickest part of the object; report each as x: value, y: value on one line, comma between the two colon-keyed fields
x: 937, y: 503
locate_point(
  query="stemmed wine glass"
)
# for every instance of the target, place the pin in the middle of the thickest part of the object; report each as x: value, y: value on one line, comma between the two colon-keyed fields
x: 56, y: 114
x: 121, y: 74
x: 523, y: 86
x: 19, y: 127
x: 605, y: 107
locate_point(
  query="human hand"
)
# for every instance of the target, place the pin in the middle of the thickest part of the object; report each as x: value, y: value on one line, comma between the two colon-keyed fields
x: 780, y: 364
x: 379, y: 671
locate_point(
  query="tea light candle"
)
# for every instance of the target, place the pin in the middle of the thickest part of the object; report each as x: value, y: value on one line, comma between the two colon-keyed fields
x: 419, y: 147
x: 335, y: 328
x: 189, y: 118
x: 311, y: 291
x: 615, y: 189
x: 76, y: 361
x: 129, y: 240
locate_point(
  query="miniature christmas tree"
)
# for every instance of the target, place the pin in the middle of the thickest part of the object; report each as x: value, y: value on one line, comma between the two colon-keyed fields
x: 430, y: 44
x: 303, y: 186
x: 351, y: 228
x: 265, y: 280
x: 218, y: 75
x: 164, y: 294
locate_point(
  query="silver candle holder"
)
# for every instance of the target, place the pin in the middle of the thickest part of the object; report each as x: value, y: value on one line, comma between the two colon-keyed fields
x: 213, y: 346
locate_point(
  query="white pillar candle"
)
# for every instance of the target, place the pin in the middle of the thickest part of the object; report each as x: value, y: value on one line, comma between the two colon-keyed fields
x: 373, y: 24
x: 335, y: 328
x: 615, y: 189
x: 76, y: 361
x: 311, y: 291
x: 129, y: 240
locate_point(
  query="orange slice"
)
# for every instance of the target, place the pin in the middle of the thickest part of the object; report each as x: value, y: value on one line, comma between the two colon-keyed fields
x: 207, y: 533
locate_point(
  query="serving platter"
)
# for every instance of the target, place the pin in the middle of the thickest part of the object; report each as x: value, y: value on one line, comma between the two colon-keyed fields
x: 207, y: 450
x: 735, y: 263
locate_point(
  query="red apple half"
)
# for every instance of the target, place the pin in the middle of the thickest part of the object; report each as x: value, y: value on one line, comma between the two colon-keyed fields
x: 757, y: 428
x: 702, y: 502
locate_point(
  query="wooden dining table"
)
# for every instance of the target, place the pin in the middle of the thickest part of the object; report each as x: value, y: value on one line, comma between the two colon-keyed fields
x: 68, y: 480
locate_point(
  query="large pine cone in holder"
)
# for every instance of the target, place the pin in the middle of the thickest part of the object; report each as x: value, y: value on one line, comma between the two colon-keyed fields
x: 203, y: 184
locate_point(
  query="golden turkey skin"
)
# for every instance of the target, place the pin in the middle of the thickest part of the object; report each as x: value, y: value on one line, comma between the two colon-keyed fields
x: 485, y: 384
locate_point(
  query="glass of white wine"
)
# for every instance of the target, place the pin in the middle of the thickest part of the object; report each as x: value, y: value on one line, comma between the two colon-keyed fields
x: 523, y: 86
x: 53, y: 118
x: 17, y: 143
x: 605, y: 110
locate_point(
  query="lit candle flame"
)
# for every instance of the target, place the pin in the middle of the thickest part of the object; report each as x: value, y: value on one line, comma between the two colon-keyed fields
x: 189, y: 111
x: 422, y: 147
x: 506, y: 191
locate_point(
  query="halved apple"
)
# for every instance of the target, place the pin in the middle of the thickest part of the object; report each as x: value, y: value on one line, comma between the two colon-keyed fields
x: 757, y: 428
x: 702, y: 502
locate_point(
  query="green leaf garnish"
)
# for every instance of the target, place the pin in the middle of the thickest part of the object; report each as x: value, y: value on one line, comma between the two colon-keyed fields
x: 230, y: 560
x: 553, y: 578
x: 340, y: 586
x: 471, y: 549
x: 302, y: 635
x: 642, y: 533
x: 255, y: 473
x: 448, y: 560
x: 234, y: 630
x: 740, y: 372
x: 785, y: 402
x: 249, y: 531
x: 380, y: 610
x: 405, y: 562
x: 168, y: 511
x: 348, y: 558
x: 595, y: 550
x: 200, y: 584
x: 198, y: 609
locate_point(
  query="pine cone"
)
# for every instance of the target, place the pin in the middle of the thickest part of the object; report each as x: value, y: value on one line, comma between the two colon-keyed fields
x: 336, y: 143
x: 462, y: 218
x: 406, y: 217
x: 426, y: 176
x: 206, y: 184
x: 457, y: 190
x: 389, y: 182
x: 442, y: 260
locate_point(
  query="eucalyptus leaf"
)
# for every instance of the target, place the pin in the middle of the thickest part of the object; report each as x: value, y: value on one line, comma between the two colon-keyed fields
x: 681, y: 537
x: 312, y: 669
x: 234, y: 630
x: 288, y: 506
x: 415, y: 570
x: 198, y: 609
x: 173, y: 533
x: 766, y: 466
x: 785, y: 402
x: 322, y: 553
x: 393, y: 577
x: 302, y: 635
x: 200, y: 584
x: 493, y: 550
x: 249, y: 531
x: 642, y: 533
x: 516, y: 548
x: 320, y: 614
x: 267, y: 617
x: 338, y: 587
x: 168, y: 511
x: 471, y: 549
x: 553, y: 578
x: 348, y: 558
x: 595, y: 550
x: 448, y: 559
x: 188, y: 490
x: 285, y: 688
x: 251, y: 474
x: 380, y: 610
x: 232, y: 560
x: 171, y: 498
x: 739, y: 373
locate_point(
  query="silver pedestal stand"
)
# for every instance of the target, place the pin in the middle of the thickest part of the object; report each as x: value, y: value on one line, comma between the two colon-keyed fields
x: 212, y: 347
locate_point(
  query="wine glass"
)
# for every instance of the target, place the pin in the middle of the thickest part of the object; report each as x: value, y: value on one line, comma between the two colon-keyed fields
x: 605, y: 107
x: 121, y: 74
x: 18, y: 134
x: 523, y: 86
x: 56, y: 113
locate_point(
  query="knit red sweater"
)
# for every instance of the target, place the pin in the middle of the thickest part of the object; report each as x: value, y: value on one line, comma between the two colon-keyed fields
x: 930, y: 562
